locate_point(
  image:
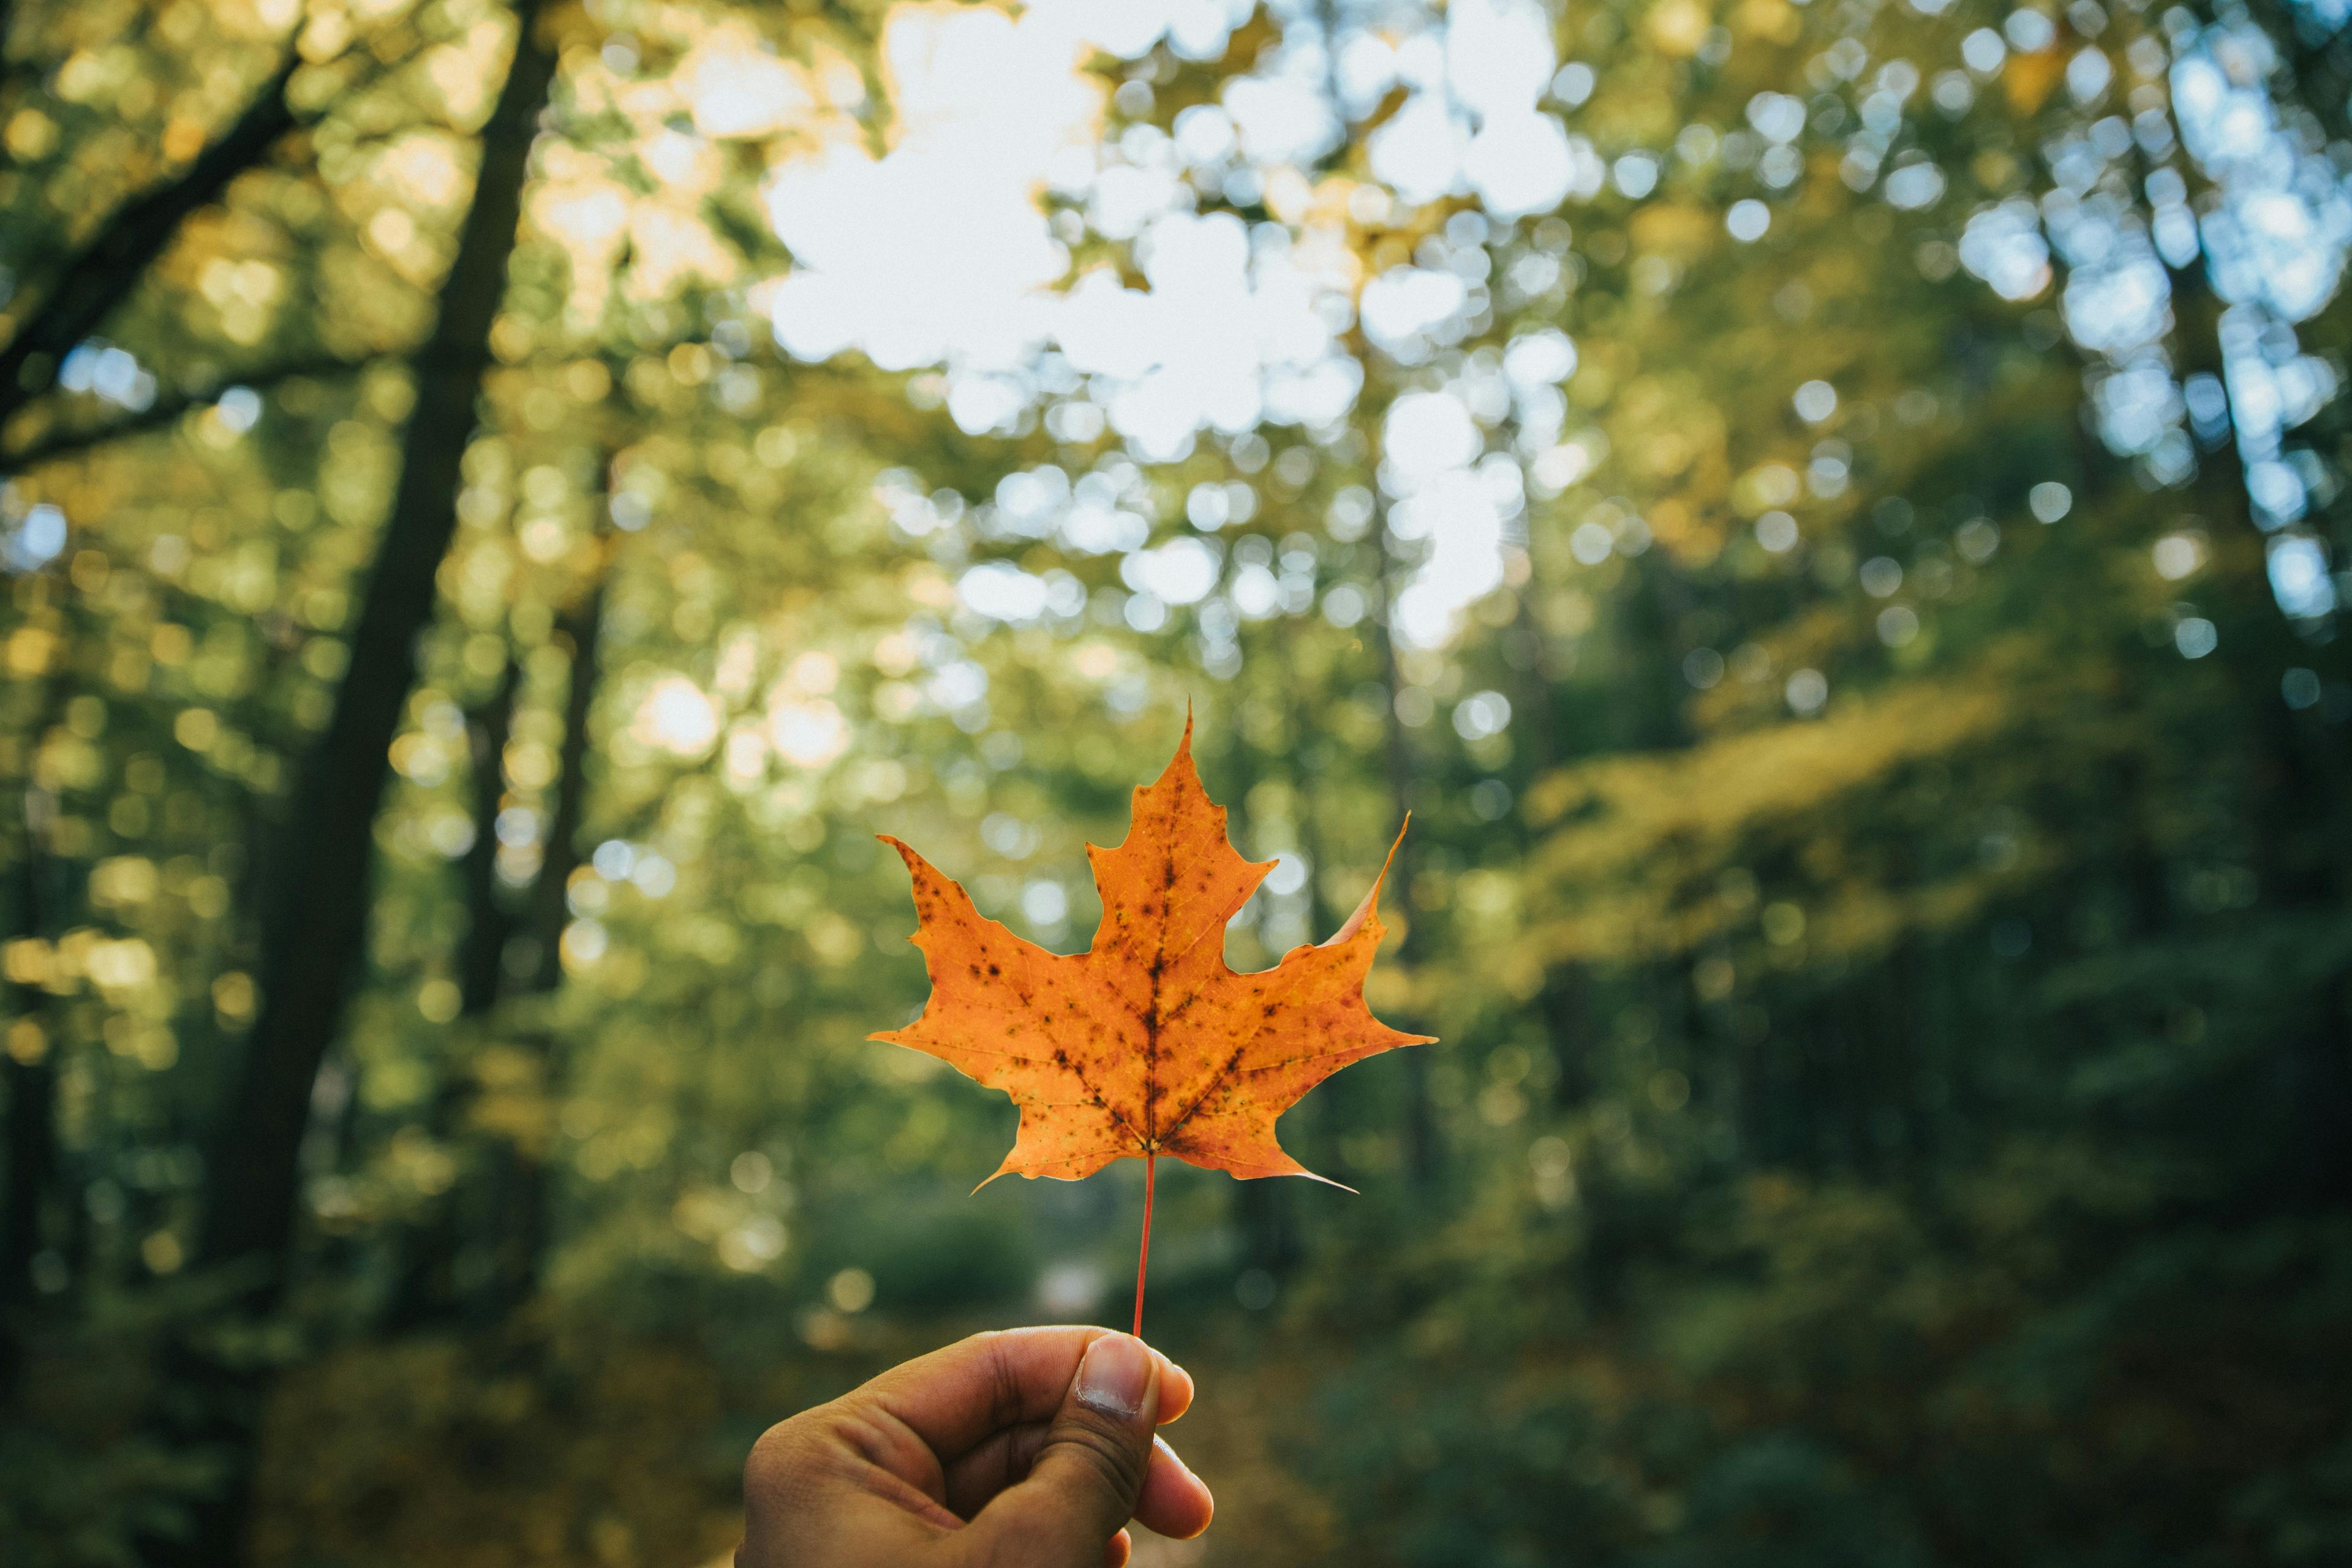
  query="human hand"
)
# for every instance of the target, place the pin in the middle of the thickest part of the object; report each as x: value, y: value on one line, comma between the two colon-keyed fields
x: 1029, y: 1449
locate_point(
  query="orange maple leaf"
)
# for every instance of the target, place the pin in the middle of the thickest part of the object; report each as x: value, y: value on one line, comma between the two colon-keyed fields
x: 1147, y: 1043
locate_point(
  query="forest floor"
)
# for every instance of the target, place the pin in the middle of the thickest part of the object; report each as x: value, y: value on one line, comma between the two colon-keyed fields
x: 624, y: 1452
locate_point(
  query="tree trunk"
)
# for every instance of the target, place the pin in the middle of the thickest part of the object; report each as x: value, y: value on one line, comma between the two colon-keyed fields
x: 31, y: 1081
x: 1307, y: 760
x: 32, y: 1090
x: 1421, y: 1152
x: 314, y: 920
x: 2304, y: 767
x: 480, y: 963
x: 30, y: 1073
x: 581, y: 626
x: 507, y: 1182
x: 424, y: 1289
x: 524, y: 1211
x: 1565, y: 1003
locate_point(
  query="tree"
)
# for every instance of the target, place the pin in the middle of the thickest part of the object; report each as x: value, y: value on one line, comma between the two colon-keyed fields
x: 316, y: 906
x: 1830, y: 565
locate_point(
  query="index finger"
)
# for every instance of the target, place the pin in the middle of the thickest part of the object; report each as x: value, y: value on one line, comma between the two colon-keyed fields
x: 955, y: 1397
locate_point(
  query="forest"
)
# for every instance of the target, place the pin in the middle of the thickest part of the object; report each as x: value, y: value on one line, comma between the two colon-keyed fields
x: 1829, y: 515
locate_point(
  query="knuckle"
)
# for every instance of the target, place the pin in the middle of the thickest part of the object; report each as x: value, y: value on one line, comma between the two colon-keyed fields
x: 1004, y: 1392
x: 772, y: 1462
x: 787, y: 1455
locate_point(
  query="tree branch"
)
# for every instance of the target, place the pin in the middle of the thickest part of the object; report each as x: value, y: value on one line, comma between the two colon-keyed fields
x: 165, y: 412
x: 101, y: 274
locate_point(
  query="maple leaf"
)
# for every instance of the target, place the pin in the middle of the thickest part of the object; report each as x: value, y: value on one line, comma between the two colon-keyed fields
x: 1146, y: 1044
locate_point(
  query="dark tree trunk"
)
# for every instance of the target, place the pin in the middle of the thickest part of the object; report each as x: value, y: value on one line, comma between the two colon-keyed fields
x: 31, y: 1085
x: 1309, y: 759
x: 1565, y: 1004
x: 31, y: 1080
x: 2303, y: 774
x: 314, y: 919
x: 32, y: 1090
x: 480, y: 972
x: 580, y: 627
x: 524, y: 1203
x: 1420, y: 1150
x: 425, y: 1288
x: 507, y: 1183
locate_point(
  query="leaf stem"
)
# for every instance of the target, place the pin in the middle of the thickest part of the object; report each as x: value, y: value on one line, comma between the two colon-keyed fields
x: 1143, y: 1254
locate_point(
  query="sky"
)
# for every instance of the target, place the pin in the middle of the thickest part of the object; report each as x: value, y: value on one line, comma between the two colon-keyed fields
x: 1234, y: 326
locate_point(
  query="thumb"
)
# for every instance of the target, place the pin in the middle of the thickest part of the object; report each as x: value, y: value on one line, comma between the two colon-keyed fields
x: 1083, y: 1486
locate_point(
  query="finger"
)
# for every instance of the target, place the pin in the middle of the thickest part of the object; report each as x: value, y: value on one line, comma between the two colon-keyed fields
x: 1175, y: 1501
x: 988, y: 1468
x: 1117, y: 1550
x: 955, y: 1398
x: 1088, y: 1474
x: 1175, y: 1390
x: 994, y: 1464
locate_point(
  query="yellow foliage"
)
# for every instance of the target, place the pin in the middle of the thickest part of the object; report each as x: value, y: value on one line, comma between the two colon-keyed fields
x: 1678, y: 229
x: 1678, y: 26
x: 2029, y: 78
x: 1635, y: 833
